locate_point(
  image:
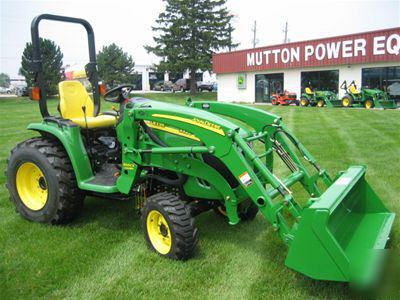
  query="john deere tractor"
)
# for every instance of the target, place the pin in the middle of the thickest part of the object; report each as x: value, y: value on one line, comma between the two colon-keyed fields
x: 368, y: 98
x: 175, y: 162
x: 313, y: 97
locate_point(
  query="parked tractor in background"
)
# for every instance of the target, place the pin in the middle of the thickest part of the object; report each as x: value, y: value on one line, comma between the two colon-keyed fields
x: 368, y: 98
x: 313, y: 97
x: 175, y: 162
x: 285, y: 98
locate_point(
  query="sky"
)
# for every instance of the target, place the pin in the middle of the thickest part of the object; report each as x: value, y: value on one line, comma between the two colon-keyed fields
x: 128, y: 24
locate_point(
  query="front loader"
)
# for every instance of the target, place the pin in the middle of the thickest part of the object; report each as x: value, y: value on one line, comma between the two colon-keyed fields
x: 365, y: 97
x: 175, y: 162
x: 317, y: 98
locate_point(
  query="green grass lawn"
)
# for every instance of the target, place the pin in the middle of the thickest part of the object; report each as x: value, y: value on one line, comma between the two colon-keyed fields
x: 103, y: 254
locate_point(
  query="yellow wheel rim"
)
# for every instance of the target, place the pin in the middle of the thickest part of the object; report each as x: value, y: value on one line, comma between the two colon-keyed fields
x: 159, y: 232
x: 368, y: 104
x: 346, y: 102
x: 320, y: 103
x: 31, y: 186
x: 303, y: 102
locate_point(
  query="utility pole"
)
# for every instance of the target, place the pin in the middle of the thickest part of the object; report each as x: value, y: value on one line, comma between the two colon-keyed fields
x: 286, y: 33
x: 254, y: 29
x: 230, y: 37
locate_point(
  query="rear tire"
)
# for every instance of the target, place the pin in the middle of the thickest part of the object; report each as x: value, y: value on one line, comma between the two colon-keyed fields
x: 274, y: 101
x: 168, y: 226
x: 42, y: 183
x: 368, y: 104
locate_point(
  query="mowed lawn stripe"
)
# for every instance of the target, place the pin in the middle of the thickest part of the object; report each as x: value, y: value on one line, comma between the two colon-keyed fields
x: 103, y: 254
x: 54, y: 255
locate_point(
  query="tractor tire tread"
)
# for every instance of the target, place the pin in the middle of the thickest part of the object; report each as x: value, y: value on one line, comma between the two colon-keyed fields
x: 70, y: 197
x: 181, y: 223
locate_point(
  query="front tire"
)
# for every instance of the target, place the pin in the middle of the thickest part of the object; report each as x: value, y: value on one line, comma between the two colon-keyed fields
x: 304, y: 101
x: 168, y: 226
x: 42, y: 183
x: 347, y: 101
x: 321, y: 103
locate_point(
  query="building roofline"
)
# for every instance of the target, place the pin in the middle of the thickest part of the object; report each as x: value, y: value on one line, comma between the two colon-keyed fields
x: 305, y: 41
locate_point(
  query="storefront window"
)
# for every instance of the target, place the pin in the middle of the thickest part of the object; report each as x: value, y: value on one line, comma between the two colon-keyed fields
x: 268, y: 84
x: 386, y: 79
x: 137, y: 81
x: 321, y: 80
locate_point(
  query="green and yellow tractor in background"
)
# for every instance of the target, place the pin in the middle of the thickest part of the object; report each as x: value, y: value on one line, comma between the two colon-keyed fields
x: 175, y: 162
x: 317, y: 98
x: 365, y: 97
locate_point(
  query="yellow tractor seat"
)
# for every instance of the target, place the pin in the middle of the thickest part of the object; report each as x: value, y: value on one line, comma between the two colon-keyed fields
x: 73, y: 97
x: 353, y: 90
x: 309, y: 91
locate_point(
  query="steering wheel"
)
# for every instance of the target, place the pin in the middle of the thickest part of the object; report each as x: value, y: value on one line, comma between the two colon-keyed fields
x: 119, y: 93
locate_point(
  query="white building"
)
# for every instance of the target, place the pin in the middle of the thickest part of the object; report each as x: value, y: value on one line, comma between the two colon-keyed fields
x: 147, y: 76
x: 370, y: 59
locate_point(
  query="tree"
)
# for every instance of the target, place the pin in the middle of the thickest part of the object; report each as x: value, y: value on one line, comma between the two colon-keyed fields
x: 189, y: 31
x: 115, y: 66
x: 52, y: 62
x: 4, y: 80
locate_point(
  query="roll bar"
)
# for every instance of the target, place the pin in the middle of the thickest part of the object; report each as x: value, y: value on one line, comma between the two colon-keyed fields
x: 343, y: 86
x: 37, y: 64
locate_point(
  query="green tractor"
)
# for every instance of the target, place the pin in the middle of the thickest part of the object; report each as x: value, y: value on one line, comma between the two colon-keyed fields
x: 313, y: 97
x: 368, y: 98
x: 175, y: 162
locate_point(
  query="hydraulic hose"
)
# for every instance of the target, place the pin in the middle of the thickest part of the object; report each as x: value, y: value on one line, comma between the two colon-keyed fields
x: 290, y: 137
x: 152, y: 135
x: 182, y: 178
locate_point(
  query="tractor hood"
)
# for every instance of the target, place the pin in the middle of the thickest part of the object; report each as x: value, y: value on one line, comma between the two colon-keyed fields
x: 373, y: 91
x: 189, y: 115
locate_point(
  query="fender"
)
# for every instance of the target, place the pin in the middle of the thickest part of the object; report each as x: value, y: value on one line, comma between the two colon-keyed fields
x: 70, y: 137
x: 348, y: 95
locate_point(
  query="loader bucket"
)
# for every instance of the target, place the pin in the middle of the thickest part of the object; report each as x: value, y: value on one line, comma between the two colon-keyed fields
x: 385, y: 103
x: 340, y: 236
x: 334, y: 103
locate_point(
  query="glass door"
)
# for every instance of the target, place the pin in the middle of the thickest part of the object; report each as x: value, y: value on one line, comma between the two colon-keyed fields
x: 268, y: 84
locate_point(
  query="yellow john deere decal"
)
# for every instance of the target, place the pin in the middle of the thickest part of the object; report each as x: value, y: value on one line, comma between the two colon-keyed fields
x: 161, y: 126
x: 197, y: 122
x: 127, y: 166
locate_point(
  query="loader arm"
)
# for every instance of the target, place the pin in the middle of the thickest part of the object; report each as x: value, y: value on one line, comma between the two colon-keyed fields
x: 342, y: 219
x: 224, y: 139
x: 266, y: 123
